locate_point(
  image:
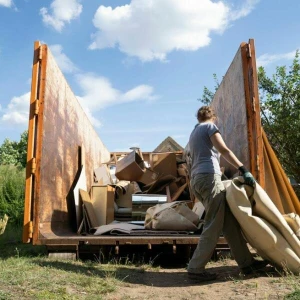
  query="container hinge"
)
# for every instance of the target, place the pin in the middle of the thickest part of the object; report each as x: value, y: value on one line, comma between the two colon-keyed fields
x: 36, y: 106
x: 248, y: 50
x: 40, y: 53
x: 253, y: 104
x: 30, y: 229
x: 33, y: 165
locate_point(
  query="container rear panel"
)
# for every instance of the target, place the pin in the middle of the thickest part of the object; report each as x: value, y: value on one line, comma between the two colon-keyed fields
x: 236, y: 103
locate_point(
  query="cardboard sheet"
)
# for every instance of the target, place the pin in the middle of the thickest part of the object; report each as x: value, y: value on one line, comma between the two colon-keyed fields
x: 102, y: 175
x: 164, y: 163
x: 85, y: 197
x: 102, y: 198
x: 130, y: 168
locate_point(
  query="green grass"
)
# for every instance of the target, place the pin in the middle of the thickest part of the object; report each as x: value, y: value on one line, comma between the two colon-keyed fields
x: 28, y: 273
x: 295, y: 295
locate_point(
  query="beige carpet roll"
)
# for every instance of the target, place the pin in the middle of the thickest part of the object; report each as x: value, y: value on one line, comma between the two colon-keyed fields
x: 263, y: 225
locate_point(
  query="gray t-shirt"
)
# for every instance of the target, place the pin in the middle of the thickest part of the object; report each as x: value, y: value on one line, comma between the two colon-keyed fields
x: 205, y: 157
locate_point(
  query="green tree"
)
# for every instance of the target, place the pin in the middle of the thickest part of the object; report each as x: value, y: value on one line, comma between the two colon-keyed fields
x: 22, y: 149
x: 208, y: 95
x: 9, y: 153
x: 280, y: 113
x: 12, y: 189
x: 14, y: 153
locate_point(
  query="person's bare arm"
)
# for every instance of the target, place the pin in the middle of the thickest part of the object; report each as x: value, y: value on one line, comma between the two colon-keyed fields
x: 220, y: 145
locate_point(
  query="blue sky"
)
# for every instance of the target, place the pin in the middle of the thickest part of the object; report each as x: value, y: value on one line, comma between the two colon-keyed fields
x: 137, y: 66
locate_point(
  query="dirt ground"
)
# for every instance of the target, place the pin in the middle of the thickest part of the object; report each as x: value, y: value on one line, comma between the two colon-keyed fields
x: 173, y: 284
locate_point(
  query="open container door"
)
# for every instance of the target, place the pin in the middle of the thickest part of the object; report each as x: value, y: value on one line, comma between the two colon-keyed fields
x: 236, y: 103
x: 58, y: 127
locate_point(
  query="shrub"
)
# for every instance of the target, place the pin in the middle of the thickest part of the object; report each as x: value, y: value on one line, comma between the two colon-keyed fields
x: 12, y: 189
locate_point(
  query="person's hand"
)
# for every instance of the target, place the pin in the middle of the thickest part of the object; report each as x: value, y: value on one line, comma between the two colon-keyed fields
x: 248, y: 177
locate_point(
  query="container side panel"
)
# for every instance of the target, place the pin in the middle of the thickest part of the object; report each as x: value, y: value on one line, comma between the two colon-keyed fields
x: 229, y: 104
x: 65, y: 128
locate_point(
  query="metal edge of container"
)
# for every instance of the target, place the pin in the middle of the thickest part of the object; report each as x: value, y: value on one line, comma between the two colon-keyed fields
x: 253, y: 111
x: 34, y: 143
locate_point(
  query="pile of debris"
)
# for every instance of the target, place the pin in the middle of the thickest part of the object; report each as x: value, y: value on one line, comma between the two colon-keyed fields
x: 127, y: 186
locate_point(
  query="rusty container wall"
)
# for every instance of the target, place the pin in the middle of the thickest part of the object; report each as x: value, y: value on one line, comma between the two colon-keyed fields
x: 236, y: 103
x: 62, y: 127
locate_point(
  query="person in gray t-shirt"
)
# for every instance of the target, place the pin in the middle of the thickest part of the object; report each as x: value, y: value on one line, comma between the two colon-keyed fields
x: 206, y: 145
x: 206, y: 158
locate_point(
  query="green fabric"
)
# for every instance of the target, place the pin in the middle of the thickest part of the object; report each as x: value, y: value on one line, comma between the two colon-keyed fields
x: 249, y: 179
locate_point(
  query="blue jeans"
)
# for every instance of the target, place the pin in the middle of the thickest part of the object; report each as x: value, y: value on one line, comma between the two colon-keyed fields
x: 209, y: 189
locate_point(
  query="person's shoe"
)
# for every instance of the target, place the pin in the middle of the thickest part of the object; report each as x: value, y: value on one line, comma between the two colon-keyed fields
x: 201, y: 277
x: 255, y: 266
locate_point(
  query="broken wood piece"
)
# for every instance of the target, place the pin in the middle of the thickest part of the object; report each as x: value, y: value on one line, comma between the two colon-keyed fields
x: 85, y: 197
x: 169, y: 199
x: 159, y: 184
x: 179, y: 192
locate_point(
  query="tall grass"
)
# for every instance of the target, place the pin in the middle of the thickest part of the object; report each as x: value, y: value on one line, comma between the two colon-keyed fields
x: 12, y: 189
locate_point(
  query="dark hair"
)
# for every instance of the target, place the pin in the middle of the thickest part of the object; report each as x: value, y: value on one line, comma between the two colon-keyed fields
x: 205, y: 113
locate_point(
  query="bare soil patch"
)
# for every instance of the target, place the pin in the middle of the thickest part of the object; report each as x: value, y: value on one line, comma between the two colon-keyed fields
x: 174, y: 284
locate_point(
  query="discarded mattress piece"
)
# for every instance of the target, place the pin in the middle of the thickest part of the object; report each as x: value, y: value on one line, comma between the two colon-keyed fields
x: 171, y: 216
x: 263, y: 225
x: 116, y: 227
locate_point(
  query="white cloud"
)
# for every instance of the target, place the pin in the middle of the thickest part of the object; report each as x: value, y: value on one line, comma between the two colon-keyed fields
x: 244, y: 10
x: 151, y: 29
x: 6, y: 3
x: 98, y: 92
x: 63, y: 11
x: 64, y: 63
x: 17, y: 111
x: 267, y: 59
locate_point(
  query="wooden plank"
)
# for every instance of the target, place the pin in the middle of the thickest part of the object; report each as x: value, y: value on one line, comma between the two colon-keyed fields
x: 179, y: 192
x: 86, y: 200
